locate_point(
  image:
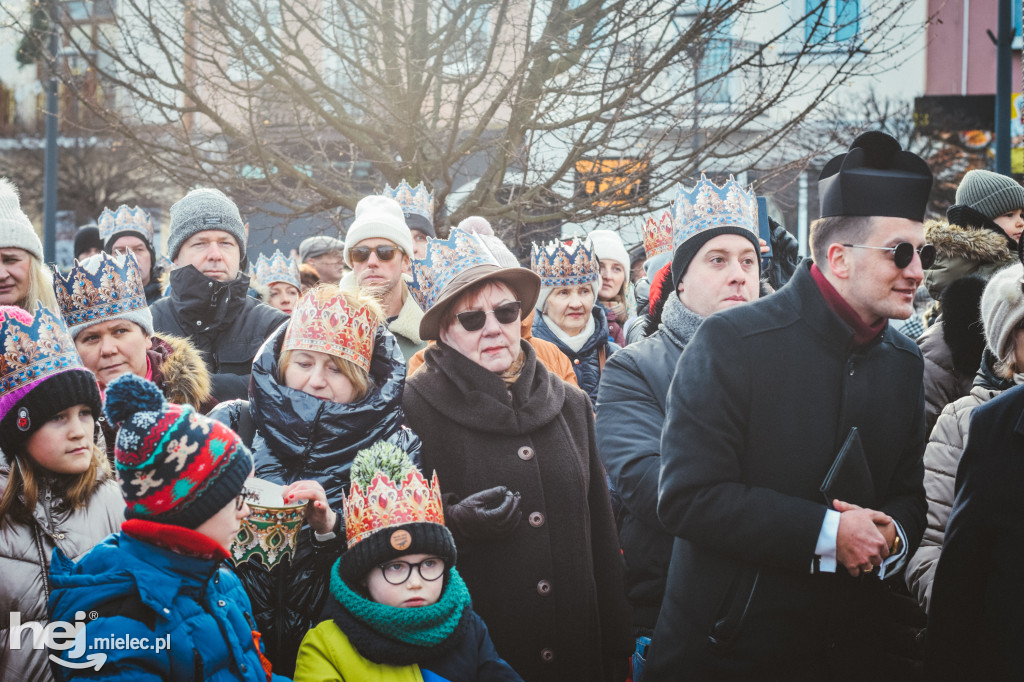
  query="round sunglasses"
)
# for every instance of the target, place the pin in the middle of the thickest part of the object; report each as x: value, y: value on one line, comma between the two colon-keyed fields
x: 474, y: 320
x: 903, y: 253
x: 361, y: 254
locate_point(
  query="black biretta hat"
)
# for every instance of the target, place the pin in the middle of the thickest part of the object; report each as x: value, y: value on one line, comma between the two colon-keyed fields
x: 875, y: 178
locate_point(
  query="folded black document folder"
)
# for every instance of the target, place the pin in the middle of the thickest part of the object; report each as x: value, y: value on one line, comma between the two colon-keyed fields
x: 849, y: 478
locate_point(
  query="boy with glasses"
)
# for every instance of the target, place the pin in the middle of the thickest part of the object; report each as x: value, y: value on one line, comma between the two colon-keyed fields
x: 377, y: 248
x: 398, y: 607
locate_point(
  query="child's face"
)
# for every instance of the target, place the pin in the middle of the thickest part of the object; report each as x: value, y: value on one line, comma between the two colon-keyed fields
x: 414, y: 591
x: 63, y: 445
x: 1012, y: 223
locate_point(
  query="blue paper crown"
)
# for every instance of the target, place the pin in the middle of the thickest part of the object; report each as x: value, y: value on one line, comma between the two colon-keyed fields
x: 414, y: 200
x: 125, y: 219
x: 34, y: 347
x: 103, y: 286
x: 277, y: 268
x: 445, y: 259
x: 707, y: 206
x: 565, y: 264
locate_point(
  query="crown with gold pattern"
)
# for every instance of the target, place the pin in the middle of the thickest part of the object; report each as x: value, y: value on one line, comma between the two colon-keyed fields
x: 708, y: 206
x: 446, y: 258
x: 277, y: 268
x: 397, y: 494
x: 125, y: 219
x: 565, y: 263
x: 102, y: 287
x: 658, y: 234
x: 33, y: 348
x: 414, y: 200
x: 328, y: 324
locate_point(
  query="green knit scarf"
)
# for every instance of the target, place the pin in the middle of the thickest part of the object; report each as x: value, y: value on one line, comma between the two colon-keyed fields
x: 425, y: 626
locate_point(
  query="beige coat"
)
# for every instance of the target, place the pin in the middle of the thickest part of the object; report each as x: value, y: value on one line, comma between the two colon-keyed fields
x: 25, y: 552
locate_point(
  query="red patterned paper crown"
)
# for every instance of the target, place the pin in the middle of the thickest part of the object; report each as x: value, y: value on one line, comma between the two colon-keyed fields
x: 565, y: 264
x: 385, y: 504
x: 277, y: 268
x: 414, y: 200
x: 333, y: 327
x: 658, y: 235
x: 125, y: 219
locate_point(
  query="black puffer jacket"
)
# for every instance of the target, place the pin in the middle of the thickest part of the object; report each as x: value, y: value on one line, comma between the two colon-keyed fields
x: 222, y: 322
x: 300, y: 437
x: 588, y: 362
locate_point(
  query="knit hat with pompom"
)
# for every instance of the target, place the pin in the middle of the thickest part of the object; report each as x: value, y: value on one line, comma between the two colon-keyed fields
x: 175, y: 465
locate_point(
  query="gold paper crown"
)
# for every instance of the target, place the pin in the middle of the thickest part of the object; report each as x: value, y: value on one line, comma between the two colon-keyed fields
x: 385, y: 504
x: 331, y: 326
x: 658, y: 235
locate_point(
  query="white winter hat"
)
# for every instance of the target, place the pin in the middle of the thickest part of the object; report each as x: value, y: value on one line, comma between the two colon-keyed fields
x: 1002, y: 307
x: 16, y: 229
x: 378, y: 218
x: 608, y: 244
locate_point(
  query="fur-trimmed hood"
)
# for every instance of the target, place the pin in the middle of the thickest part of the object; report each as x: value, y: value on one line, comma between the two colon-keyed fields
x: 963, y: 251
x: 179, y: 371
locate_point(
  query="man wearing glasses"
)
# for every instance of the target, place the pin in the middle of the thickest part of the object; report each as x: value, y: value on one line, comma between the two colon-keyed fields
x: 775, y: 571
x: 377, y: 248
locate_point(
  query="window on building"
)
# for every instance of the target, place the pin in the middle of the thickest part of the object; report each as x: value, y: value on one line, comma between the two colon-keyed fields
x: 831, y: 20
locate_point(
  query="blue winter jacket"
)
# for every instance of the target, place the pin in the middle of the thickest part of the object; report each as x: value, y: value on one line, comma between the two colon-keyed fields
x: 587, y: 363
x: 139, y: 590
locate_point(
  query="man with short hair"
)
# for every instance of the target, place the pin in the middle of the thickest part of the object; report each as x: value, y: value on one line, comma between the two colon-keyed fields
x: 775, y: 572
x: 208, y: 302
x: 324, y: 254
x: 377, y: 248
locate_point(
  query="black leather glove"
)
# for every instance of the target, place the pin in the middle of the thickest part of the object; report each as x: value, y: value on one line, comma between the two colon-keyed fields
x: 485, y: 515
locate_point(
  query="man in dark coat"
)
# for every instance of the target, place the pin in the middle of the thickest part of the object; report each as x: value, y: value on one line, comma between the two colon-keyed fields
x: 767, y: 581
x: 208, y: 302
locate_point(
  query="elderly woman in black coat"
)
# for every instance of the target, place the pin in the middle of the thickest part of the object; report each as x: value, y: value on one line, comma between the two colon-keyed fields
x: 514, y: 447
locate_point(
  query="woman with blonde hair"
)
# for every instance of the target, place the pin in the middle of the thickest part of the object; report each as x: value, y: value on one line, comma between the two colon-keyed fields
x: 56, y: 487
x: 324, y: 386
x: 24, y: 281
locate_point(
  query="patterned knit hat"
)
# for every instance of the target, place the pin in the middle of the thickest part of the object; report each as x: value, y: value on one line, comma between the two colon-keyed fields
x: 38, y: 354
x: 202, y: 209
x: 391, y: 511
x: 175, y: 465
x: 15, y: 228
x: 102, y: 288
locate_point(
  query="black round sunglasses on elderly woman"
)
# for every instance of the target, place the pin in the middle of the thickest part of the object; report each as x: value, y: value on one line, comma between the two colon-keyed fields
x: 903, y: 253
x: 474, y: 320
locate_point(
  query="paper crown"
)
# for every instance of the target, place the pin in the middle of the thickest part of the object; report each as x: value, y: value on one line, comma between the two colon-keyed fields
x: 330, y: 325
x: 34, y: 347
x: 277, y: 268
x: 103, y: 286
x: 414, y: 200
x: 658, y: 234
x: 446, y: 258
x: 565, y: 264
x: 125, y: 219
x: 708, y: 206
x: 391, y: 498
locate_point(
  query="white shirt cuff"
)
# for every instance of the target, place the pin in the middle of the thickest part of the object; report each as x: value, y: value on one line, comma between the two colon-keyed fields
x: 825, y: 550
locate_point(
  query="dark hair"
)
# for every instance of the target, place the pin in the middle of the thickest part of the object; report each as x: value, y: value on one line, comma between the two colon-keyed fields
x: 837, y: 229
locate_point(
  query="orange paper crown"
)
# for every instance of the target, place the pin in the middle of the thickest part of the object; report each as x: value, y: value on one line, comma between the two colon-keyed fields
x: 658, y: 235
x: 385, y: 504
x: 331, y: 326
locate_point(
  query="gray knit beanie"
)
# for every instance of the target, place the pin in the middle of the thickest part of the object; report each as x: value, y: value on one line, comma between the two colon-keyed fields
x: 16, y: 229
x: 202, y: 209
x: 990, y: 194
x: 1002, y: 307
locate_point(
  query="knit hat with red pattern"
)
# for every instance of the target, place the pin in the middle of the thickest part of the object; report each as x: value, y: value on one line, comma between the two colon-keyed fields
x: 175, y: 465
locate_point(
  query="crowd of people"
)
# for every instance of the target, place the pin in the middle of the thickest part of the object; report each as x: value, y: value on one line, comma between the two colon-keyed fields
x: 714, y: 464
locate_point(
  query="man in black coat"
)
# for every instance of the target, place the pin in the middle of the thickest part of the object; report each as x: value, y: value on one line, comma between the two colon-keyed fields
x: 208, y: 302
x: 767, y: 581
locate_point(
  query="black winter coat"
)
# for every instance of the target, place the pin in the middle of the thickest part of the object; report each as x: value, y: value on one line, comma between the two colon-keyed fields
x: 978, y: 595
x: 587, y: 363
x: 762, y: 399
x: 221, y: 321
x: 301, y: 437
x: 550, y: 591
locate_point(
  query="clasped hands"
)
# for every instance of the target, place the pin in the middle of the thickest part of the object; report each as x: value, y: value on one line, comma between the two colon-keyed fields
x: 864, y: 537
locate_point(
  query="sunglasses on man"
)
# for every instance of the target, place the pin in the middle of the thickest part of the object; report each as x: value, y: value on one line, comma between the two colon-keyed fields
x: 903, y: 253
x: 361, y: 254
x: 474, y: 320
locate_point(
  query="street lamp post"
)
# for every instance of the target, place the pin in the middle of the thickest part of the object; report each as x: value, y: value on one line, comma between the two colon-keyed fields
x: 50, y: 161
